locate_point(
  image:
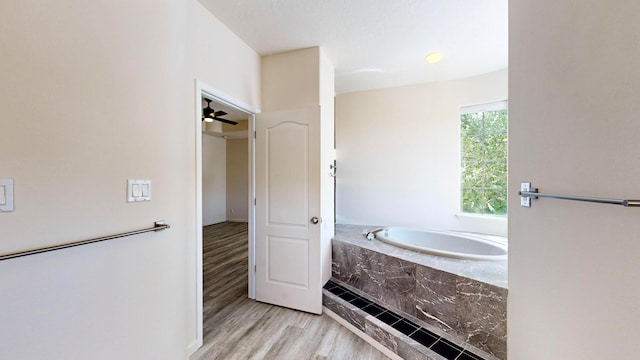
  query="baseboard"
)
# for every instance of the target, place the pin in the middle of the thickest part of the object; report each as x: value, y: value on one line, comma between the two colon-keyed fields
x: 193, y: 347
x: 390, y: 354
x: 238, y: 220
x: 217, y: 221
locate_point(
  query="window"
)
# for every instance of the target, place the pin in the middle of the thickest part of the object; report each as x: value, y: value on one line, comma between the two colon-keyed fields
x: 483, y: 132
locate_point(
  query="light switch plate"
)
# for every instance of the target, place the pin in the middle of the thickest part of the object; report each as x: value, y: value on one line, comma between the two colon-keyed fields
x: 6, y: 195
x: 138, y: 190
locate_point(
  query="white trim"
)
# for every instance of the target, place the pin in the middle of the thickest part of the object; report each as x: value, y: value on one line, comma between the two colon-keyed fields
x: 238, y: 220
x: 202, y: 88
x: 198, y: 223
x: 490, y: 217
x: 251, y: 143
x: 492, y: 106
x: 194, y: 346
x: 225, y: 99
x: 390, y: 354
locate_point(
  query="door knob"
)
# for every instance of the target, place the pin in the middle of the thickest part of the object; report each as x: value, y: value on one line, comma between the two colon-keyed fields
x: 314, y: 220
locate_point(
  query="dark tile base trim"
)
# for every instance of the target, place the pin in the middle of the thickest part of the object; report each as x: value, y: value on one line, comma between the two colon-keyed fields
x: 401, y: 335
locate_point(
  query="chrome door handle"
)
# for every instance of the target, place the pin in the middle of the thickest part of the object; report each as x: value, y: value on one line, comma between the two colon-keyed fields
x: 314, y: 220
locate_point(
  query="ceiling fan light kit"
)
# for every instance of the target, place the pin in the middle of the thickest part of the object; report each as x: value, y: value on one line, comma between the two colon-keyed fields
x: 208, y: 114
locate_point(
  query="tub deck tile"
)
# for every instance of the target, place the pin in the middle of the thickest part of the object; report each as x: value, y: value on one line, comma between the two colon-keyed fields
x: 461, y: 304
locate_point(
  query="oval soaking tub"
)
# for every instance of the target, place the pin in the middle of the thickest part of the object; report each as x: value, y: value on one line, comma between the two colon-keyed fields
x: 444, y: 243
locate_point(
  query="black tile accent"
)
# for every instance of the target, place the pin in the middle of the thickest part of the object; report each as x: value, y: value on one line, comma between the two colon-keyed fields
x: 360, y: 302
x: 388, y: 317
x: 424, y: 337
x: 347, y: 296
x: 373, y: 310
x: 337, y: 290
x: 405, y: 326
x: 446, y: 349
x: 329, y: 286
x: 468, y: 356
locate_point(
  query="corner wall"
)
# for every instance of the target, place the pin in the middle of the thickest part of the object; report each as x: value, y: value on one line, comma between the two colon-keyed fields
x: 398, y: 154
x: 573, y: 103
x: 237, y: 180
x: 93, y: 94
x: 214, y: 180
x: 98, y: 93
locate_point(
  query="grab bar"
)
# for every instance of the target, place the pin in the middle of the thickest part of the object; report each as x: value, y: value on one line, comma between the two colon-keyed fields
x: 527, y: 193
x: 158, y: 226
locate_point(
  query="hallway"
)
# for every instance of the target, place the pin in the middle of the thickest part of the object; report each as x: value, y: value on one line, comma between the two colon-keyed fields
x: 236, y: 327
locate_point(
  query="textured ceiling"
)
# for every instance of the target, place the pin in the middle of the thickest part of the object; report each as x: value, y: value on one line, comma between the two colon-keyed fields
x: 377, y: 43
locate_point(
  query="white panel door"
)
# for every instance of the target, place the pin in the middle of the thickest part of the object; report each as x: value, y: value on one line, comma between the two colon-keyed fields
x: 288, y: 209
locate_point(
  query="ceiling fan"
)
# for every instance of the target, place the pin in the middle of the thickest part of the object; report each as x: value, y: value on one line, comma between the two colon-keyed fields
x: 208, y: 114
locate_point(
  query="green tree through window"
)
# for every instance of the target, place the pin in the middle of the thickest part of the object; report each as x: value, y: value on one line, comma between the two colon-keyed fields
x: 483, y: 132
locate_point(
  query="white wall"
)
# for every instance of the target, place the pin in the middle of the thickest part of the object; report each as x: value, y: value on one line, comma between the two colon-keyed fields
x: 573, y: 267
x: 291, y: 80
x: 92, y: 94
x: 90, y: 98
x: 398, y: 154
x: 214, y: 180
x: 237, y: 180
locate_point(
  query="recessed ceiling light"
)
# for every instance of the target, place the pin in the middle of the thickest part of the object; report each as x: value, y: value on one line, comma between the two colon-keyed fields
x: 434, y: 57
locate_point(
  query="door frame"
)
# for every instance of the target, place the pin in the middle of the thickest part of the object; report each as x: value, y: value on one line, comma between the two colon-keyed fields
x: 202, y: 88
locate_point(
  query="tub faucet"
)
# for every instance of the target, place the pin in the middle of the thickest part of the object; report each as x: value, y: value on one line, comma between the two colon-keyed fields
x: 370, y: 235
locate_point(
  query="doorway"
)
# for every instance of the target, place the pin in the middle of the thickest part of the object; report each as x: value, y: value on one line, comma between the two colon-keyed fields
x: 231, y: 213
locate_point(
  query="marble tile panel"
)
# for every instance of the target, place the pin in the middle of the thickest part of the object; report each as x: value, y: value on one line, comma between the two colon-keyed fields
x: 343, y: 309
x: 389, y: 280
x: 481, y: 307
x: 482, y: 315
x: 371, y: 270
x: 375, y: 329
x: 412, y: 350
x: 458, y: 305
x: 494, y: 345
x: 491, y: 272
x: 436, y: 298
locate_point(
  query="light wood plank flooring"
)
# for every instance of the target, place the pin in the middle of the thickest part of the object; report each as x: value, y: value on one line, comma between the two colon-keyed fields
x: 236, y: 327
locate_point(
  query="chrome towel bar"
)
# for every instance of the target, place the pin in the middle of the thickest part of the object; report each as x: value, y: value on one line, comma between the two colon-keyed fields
x: 158, y: 226
x: 527, y: 193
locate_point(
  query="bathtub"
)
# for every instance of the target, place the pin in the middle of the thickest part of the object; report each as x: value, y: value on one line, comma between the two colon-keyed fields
x: 444, y: 243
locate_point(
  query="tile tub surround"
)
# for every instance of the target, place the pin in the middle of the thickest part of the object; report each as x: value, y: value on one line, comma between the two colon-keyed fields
x: 408, y: 339
x: 465, y: 298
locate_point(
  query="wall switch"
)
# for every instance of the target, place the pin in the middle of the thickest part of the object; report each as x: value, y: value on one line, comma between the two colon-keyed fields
x: 6, y: 195
x: 135, y: 190
x: 138, y: 190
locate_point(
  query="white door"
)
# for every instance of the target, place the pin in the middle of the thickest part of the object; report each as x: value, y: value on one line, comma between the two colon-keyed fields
x: 288, y: 209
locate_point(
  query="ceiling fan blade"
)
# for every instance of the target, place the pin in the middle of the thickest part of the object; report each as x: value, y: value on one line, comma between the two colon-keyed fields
x: 226, y: 121
x: 220, y: 113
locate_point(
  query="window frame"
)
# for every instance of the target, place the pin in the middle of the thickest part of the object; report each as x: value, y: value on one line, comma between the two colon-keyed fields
x: 474, y: 109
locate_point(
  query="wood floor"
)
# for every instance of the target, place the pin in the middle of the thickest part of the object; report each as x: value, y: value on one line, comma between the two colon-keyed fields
x: 238, y: 328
